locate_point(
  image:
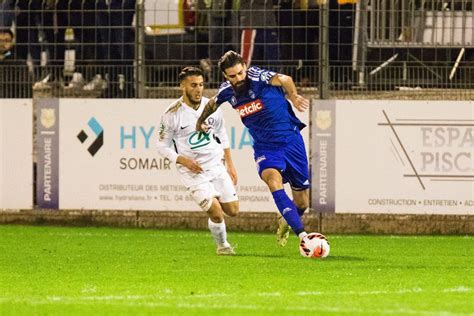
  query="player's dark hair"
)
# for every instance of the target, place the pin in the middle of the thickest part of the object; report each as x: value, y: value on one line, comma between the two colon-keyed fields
x: 189, y: 71
x: 230, y: 59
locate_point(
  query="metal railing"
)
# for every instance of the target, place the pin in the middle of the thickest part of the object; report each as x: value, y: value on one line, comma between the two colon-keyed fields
x: 415, y: 44
x: 372, y: 49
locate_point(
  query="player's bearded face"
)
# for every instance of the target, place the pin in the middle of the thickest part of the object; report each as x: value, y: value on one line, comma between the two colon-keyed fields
x: 241, y: 86
x: 193, y: 87
x: 237, y: 76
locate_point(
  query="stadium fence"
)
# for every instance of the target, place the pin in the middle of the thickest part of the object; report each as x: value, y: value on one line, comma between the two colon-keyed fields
x: 353, y: 49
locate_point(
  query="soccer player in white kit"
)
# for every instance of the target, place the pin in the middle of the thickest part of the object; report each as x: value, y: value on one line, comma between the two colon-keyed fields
x: 203, y: 159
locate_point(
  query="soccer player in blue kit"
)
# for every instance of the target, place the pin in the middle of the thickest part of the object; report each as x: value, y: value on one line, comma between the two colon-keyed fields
x: 258, y: 95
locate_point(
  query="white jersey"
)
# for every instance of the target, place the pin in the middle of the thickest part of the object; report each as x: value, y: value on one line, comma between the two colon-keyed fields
x: 178, y: 136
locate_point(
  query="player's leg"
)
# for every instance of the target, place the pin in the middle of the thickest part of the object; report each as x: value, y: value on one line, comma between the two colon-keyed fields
x: 227, y: 193
x: 227, y: 198
x: 218, y: 229
x: 285, y: 205
x: 301, y: 200
x: 283, y: 230
x: 297, y: 174
x: 269, y: 166
x: 205, y: 196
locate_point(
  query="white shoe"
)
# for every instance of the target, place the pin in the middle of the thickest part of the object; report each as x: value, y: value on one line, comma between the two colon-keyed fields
x: 97, y: 83
x: 302, y: 235
x: 43, y: 84
x: 225, y: 251
x: 77, y: 82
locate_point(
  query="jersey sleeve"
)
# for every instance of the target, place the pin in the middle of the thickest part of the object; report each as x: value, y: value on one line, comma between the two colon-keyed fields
x: 220, y: 130
x: 224, y: 94
x: 260, y: 77
x: 165, y: 138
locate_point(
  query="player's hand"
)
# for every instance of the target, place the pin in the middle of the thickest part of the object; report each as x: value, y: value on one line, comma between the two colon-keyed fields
x: 300, y: 102
x: 189, y: 163
x: 202, y: 127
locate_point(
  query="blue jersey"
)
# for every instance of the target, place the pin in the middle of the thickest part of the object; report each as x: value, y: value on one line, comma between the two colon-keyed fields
x: 263, y: 109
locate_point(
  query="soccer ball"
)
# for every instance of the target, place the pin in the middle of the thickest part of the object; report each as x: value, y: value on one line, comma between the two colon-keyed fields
x: 314, y: 245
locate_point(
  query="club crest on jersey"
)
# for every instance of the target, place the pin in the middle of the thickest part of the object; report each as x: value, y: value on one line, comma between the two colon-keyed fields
x: 251, y: 94
x: 162, y: 131
x: 211, y: 121
x: 198, y: 139
x: 250, y: 108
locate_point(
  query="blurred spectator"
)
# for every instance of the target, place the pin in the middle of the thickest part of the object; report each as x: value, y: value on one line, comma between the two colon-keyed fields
x: 6, y: 43
x: 52, y: 20
x: 341, y: 39
x: 104, y: 39
x: 7, y: 14
x: 259, y: 39
x: 15, y: 80
x: 114, y: 20
x: 122, y: 45
x: 8, y: 65
x: 123, y: 40
x: 341, y: 31
x: 299, y: 34
x: 88, y: 20
x: 223, y: 31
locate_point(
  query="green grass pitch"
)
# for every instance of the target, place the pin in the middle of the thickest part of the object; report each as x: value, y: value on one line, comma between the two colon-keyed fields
x: 97, y: 271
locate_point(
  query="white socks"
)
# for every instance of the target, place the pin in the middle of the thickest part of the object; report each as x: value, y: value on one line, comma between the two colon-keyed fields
x: 219, y: 233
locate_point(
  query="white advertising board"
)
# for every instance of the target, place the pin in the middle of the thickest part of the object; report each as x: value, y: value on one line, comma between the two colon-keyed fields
x: 125, y: 172
x: 396, y: 157
x: 16, y: 156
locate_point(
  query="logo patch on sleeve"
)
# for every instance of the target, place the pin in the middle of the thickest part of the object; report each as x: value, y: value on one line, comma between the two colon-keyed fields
x: 250, y: 108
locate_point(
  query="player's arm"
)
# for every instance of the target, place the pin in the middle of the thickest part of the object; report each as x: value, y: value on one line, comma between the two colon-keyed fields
x: 299, y: 102
x: 166, y: 147
x: 210, y: 108
x: 221, y: 133
x: 230, y: 165
x: 189, y: 163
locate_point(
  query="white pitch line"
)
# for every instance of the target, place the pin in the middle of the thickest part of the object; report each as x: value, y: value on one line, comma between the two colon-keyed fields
x: 117, y: 235
x: 460, y: 289
x: 130, y: 301
x: 168, y: 294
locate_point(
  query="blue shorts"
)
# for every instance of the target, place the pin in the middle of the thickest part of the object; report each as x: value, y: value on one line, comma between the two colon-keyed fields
x: 291, y: 161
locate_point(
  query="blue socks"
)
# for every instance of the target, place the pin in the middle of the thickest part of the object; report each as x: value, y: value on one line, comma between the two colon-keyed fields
x: 287, y: 209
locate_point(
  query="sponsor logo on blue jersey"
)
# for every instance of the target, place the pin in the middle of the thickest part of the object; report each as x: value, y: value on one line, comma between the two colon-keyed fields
x: 250, y: 108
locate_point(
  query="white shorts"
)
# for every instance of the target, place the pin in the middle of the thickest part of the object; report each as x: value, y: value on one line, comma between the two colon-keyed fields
x: 216, y: 184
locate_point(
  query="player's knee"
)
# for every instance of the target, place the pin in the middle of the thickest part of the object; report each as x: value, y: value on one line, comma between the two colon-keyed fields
x: 216, y: 218
x: 301, y: 199
x: 231, y: 208
x: 273, y: 179
x: 302, y: 204
x: 215, y: 213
